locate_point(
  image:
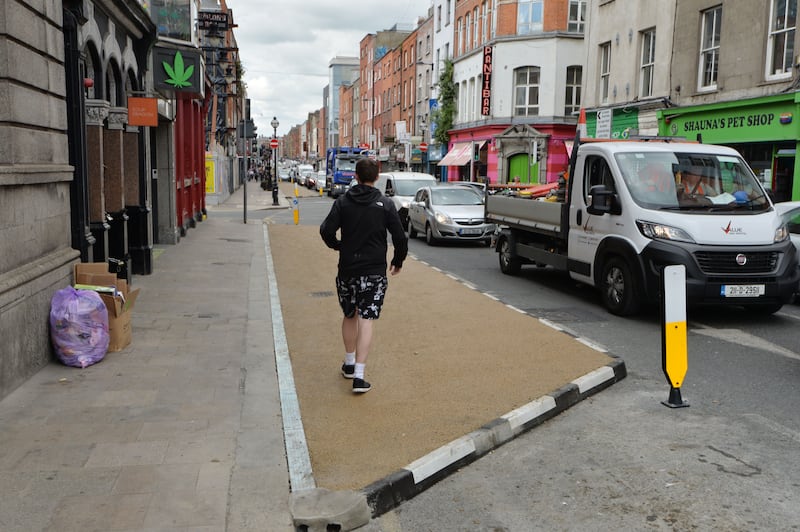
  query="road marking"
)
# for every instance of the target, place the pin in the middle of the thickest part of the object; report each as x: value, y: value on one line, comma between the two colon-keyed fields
x: 301, y: 476
x: 593, y: 345
x: 775, y: 426
x: 737, y: 336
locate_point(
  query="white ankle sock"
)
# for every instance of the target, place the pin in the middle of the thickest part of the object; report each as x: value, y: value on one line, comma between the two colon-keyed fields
x: 349, y: 359
x: 360, y: 371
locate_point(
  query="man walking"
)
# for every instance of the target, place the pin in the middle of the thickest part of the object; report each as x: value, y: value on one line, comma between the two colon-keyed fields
x: 363, y: 215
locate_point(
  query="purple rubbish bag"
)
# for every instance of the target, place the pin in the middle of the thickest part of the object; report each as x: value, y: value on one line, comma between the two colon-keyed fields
x: 79, y: 327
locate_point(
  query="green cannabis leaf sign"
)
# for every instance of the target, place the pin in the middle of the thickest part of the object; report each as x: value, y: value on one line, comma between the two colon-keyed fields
x: 178, y: 75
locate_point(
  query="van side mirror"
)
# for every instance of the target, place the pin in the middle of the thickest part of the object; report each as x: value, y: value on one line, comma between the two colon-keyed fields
x: 603, y: 201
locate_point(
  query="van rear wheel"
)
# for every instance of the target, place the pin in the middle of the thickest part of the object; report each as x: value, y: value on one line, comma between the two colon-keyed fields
x: 618, y: 287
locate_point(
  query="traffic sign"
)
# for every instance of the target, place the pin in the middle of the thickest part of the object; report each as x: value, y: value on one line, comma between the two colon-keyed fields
x: 423, y: 146
x: 273, y: 143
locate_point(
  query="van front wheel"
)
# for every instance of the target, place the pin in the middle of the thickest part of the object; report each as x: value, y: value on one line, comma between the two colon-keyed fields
x: 618, y: 287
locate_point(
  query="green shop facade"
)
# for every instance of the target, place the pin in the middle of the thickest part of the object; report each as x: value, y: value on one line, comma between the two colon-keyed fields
x: 764, y: 130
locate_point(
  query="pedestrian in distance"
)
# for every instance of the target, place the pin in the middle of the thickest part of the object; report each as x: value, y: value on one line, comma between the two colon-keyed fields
x: 362, y: 216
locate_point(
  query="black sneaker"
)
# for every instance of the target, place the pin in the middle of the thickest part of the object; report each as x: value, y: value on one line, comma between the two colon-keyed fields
x: 361, y: 386
x: 348, y: 371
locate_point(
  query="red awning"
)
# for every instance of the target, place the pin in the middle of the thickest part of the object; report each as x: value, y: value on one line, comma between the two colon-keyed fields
x: 461, y: 153
x: 458, y: 155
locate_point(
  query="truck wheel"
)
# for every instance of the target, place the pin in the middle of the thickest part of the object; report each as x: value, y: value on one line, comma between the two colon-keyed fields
x: 429, y: 238
x: 618, y: 287
x: 412, y: 233
x: 509, y: 264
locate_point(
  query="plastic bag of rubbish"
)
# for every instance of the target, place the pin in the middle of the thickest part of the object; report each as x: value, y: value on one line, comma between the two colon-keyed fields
x: 79, y: 327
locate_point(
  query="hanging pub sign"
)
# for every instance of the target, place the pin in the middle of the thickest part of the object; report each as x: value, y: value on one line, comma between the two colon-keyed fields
x: 486, y: 89
x: 142, y: 111
x: 213, y: 20
x: 177, y: 70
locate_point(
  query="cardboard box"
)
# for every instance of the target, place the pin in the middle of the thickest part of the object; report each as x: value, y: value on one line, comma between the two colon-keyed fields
x: 117, y: 296
x: 95, y: 273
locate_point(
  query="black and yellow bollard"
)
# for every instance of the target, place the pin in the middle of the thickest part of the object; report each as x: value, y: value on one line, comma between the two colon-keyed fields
x: 674, y: 349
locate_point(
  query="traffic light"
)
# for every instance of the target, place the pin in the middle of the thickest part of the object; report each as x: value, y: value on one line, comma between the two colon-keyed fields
x: 476, y: 152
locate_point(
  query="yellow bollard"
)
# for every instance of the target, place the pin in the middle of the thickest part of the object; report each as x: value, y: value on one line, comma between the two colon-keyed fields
x: 320, y: 193
x: 296, y: 191
x: 674, y: 349
x: 296, y: 210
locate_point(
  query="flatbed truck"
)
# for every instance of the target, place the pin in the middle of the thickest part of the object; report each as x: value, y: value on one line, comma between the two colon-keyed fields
x: 624, y: 211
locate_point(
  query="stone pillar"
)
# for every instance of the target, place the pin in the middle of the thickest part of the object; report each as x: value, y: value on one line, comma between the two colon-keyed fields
x: 114, y: 183
x: 96, y: 114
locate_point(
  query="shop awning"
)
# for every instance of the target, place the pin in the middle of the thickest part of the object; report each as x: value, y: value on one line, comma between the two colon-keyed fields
x: 458, y: 155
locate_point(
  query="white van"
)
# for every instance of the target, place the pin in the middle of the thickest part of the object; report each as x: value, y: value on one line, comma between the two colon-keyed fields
x: 401, y: 188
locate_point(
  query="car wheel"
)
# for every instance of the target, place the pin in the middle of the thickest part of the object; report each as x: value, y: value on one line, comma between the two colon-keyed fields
x: 618, y: 287
x: 509, y: 264
x: 412, y: 233
x: 429, y: 238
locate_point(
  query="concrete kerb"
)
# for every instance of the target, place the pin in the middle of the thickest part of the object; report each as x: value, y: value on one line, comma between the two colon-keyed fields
x: 387, y: 493
x: 317, y: 508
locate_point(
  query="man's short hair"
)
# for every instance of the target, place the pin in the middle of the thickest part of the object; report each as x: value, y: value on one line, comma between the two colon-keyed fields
x: 367, y: 170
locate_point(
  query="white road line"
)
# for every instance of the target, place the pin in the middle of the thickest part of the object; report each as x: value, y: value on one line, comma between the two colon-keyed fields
x: 737, y: 336
x: 297, y: 457
x: 775, y: 426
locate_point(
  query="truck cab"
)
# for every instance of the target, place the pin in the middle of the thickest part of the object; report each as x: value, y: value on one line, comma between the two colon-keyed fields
x: 340, y: 168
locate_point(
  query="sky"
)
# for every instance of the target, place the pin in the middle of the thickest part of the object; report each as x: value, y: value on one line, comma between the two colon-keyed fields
x: 286, y: 46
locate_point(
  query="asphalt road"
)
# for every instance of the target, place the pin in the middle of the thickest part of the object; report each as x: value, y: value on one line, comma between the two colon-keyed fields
x: 622, y: 460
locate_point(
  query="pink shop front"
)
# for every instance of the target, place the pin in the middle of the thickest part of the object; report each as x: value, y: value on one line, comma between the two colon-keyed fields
x: 500, y: 153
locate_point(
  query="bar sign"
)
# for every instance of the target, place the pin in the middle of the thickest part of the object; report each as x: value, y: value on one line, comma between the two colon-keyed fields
x: 486, y: 89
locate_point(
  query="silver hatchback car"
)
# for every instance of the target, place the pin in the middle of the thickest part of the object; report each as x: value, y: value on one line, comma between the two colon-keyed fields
x: 449, y: 212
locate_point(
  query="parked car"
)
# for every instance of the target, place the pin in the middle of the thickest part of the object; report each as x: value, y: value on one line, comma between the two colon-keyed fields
x: 453, y: 212
x: 320, y: 180
x: 303, y: 171
x: 790, y: 212
x: 400, y: 187
x: 477, y: 185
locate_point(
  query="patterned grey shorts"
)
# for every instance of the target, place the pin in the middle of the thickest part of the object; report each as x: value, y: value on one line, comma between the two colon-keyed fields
x: 364, y: 293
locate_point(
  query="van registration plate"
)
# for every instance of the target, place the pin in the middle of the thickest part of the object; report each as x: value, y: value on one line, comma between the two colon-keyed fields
x: 742, y: 290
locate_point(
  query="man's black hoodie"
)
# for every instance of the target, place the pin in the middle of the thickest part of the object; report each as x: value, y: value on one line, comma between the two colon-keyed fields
x: 364, y: 215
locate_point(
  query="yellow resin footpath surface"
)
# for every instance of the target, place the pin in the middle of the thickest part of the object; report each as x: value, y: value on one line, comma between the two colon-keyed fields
x: 445, y: 360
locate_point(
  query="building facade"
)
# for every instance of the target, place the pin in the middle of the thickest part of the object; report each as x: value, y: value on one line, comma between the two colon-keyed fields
x: 518, y: 72
x: 721, y: 72
x: 342, y: 71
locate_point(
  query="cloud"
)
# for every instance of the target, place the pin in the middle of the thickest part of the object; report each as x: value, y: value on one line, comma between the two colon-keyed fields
x: 286, y: 46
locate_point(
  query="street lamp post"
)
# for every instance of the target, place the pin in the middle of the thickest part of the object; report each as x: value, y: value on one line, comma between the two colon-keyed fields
x: 275, y: 125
